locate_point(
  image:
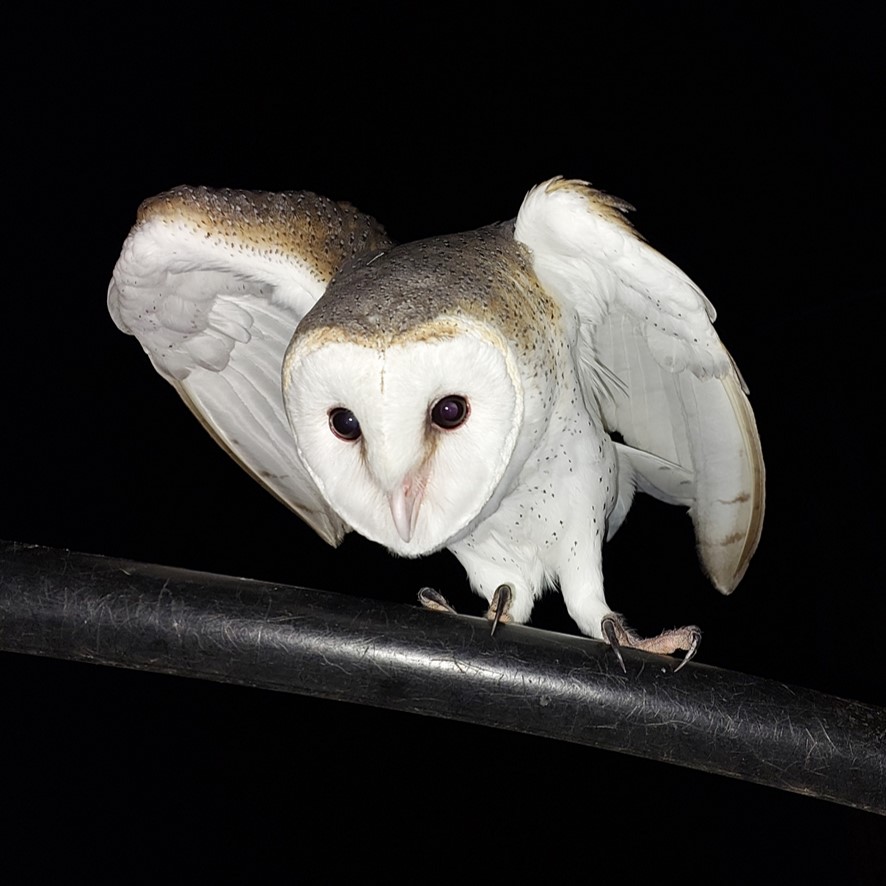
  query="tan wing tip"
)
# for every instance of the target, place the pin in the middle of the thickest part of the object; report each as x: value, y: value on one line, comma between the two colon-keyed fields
x: 607, y: 206
x: 724, y: 568
x: 725, y: 560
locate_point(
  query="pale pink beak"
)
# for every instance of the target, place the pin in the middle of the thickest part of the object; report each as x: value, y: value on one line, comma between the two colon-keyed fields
x: 406, y: 502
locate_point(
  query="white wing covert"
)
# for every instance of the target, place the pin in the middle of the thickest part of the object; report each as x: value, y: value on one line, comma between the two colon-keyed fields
x: 653, y: 366
x: 213, y: 284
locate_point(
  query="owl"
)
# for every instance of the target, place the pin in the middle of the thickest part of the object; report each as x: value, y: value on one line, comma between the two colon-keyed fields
x: 502, y: 393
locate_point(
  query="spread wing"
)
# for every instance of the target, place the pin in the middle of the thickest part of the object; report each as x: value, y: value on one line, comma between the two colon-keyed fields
x: 653, y: 366
x: 213, y: 284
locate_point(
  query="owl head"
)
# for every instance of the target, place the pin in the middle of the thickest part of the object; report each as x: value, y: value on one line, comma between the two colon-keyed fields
x: 405, y: 406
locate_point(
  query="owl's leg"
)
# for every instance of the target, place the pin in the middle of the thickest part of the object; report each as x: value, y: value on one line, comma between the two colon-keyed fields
x: 509, y: 584
x: 583, y: 595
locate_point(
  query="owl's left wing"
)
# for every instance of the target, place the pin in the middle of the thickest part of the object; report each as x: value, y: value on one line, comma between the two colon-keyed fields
x: 653, y: 366
x: 213, y: 284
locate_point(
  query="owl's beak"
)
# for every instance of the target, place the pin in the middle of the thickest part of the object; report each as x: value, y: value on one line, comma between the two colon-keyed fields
x: 406, y: 501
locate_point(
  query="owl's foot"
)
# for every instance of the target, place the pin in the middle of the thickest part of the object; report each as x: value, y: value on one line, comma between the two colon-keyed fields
x: 499, y: 607
x: 435, y: 601
x: 618, y: 634
x: 497, y: 612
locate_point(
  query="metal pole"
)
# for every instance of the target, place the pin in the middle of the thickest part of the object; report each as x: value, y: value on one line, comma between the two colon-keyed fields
x: 155, y: 618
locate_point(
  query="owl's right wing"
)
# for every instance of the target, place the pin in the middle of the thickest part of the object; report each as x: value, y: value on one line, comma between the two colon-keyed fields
x: 654, y: 367
x: 213, y: 284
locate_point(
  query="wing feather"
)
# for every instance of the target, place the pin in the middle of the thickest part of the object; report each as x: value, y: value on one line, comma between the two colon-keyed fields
x: 678, y: 397
x: 213, y: 285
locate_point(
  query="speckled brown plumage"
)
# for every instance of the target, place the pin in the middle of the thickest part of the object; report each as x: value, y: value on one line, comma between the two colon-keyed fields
x: 321, y: 232
x: 483, y: 275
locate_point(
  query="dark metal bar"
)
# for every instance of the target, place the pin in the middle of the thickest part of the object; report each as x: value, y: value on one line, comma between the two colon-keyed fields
x: 116, y: 612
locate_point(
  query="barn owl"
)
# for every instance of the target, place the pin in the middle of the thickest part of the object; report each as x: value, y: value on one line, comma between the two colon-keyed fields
x: 458, y: 392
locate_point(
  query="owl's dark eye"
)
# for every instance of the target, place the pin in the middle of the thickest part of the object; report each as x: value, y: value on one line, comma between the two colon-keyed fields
x: 343, y: 423
x: 449, y: 412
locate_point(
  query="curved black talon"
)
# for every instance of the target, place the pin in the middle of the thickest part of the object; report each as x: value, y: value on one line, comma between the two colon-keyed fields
x: 435, y: 601
x: 609, y: 625
x: 693, y: 648
x: 500, y: 602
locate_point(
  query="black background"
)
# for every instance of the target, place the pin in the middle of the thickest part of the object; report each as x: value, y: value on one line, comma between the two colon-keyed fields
x: 749, y: 143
